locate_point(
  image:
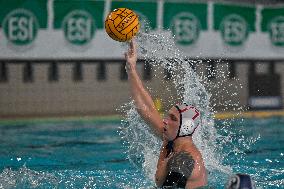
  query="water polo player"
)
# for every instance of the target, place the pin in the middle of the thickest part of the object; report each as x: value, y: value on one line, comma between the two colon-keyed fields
x: 180, y: 163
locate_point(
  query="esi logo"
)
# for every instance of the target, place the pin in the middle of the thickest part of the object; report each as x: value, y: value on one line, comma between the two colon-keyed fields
x: 276, y: 31
x: 20, y: 27
x: 186, y: 28
x: 234, y: 30
x: 79, y: 27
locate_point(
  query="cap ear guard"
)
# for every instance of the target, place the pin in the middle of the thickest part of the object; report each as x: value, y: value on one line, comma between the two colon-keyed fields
x: 187, y: 127
x: 233, y: 183
x: 240, y: 181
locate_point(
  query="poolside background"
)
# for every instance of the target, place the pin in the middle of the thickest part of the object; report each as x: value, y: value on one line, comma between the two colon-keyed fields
x: 53, y: 72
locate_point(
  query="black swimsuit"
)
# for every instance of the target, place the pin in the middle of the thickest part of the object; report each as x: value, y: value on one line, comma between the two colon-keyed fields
x: 180, y: 167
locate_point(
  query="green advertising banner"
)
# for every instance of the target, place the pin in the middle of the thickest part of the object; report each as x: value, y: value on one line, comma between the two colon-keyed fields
x: 78, y: 19
x: 273, y: 23
x: 21, y: 20
x: 146, y: 10
x: 76, y: 28
x: 234, y: 22
x: 185, y: 20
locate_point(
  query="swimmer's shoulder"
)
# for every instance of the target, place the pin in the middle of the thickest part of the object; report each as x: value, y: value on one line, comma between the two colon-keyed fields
x: 194, y: 153
x: 199, y: 170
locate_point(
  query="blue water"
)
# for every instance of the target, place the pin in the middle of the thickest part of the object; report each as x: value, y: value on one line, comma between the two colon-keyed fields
x: 91, y: 154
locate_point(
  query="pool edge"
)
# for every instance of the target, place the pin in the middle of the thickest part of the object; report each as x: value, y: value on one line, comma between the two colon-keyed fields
x: 117, y: 117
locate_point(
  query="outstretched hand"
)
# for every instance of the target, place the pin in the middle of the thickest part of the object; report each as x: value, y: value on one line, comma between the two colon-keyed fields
x: 131, y: 55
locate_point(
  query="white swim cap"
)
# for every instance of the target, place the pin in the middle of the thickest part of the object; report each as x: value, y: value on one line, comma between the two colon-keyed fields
x: 189, y: 119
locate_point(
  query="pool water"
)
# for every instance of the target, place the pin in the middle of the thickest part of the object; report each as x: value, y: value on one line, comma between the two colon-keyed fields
x: 91, y: 154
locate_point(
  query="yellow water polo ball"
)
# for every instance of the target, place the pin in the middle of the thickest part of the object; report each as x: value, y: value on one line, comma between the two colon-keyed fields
x: 122, y: 24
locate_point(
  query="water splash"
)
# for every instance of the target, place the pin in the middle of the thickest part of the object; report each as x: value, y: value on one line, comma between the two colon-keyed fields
x: 99, y: 179
x: 26, y: 178
x: 143, y: 147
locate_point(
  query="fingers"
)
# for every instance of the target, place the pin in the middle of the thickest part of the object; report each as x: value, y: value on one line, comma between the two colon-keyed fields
x: 131, y: 53
x: 133, y: 46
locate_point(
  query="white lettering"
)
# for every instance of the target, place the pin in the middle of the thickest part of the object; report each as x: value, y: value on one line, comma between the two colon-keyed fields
x: 234, y: 31
x: 79, y: 29
x: 31, y: 29
x: 185, y: 30
x: 277, y: 32
x: 88, y: 29
x: 23, y: 32
x: 20, y: 28
x: 12, y: 28
x: 71, y: 28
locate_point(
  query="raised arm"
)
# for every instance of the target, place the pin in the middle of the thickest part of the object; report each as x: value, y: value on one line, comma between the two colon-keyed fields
x: 142, y: 99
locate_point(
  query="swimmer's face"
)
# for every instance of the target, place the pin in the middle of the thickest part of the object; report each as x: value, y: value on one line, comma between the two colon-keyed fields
x: 171, y: 124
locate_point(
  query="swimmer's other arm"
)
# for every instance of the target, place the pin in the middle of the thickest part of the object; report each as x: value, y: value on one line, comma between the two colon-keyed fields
x: 161, y: 171
x: 142, y: 99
